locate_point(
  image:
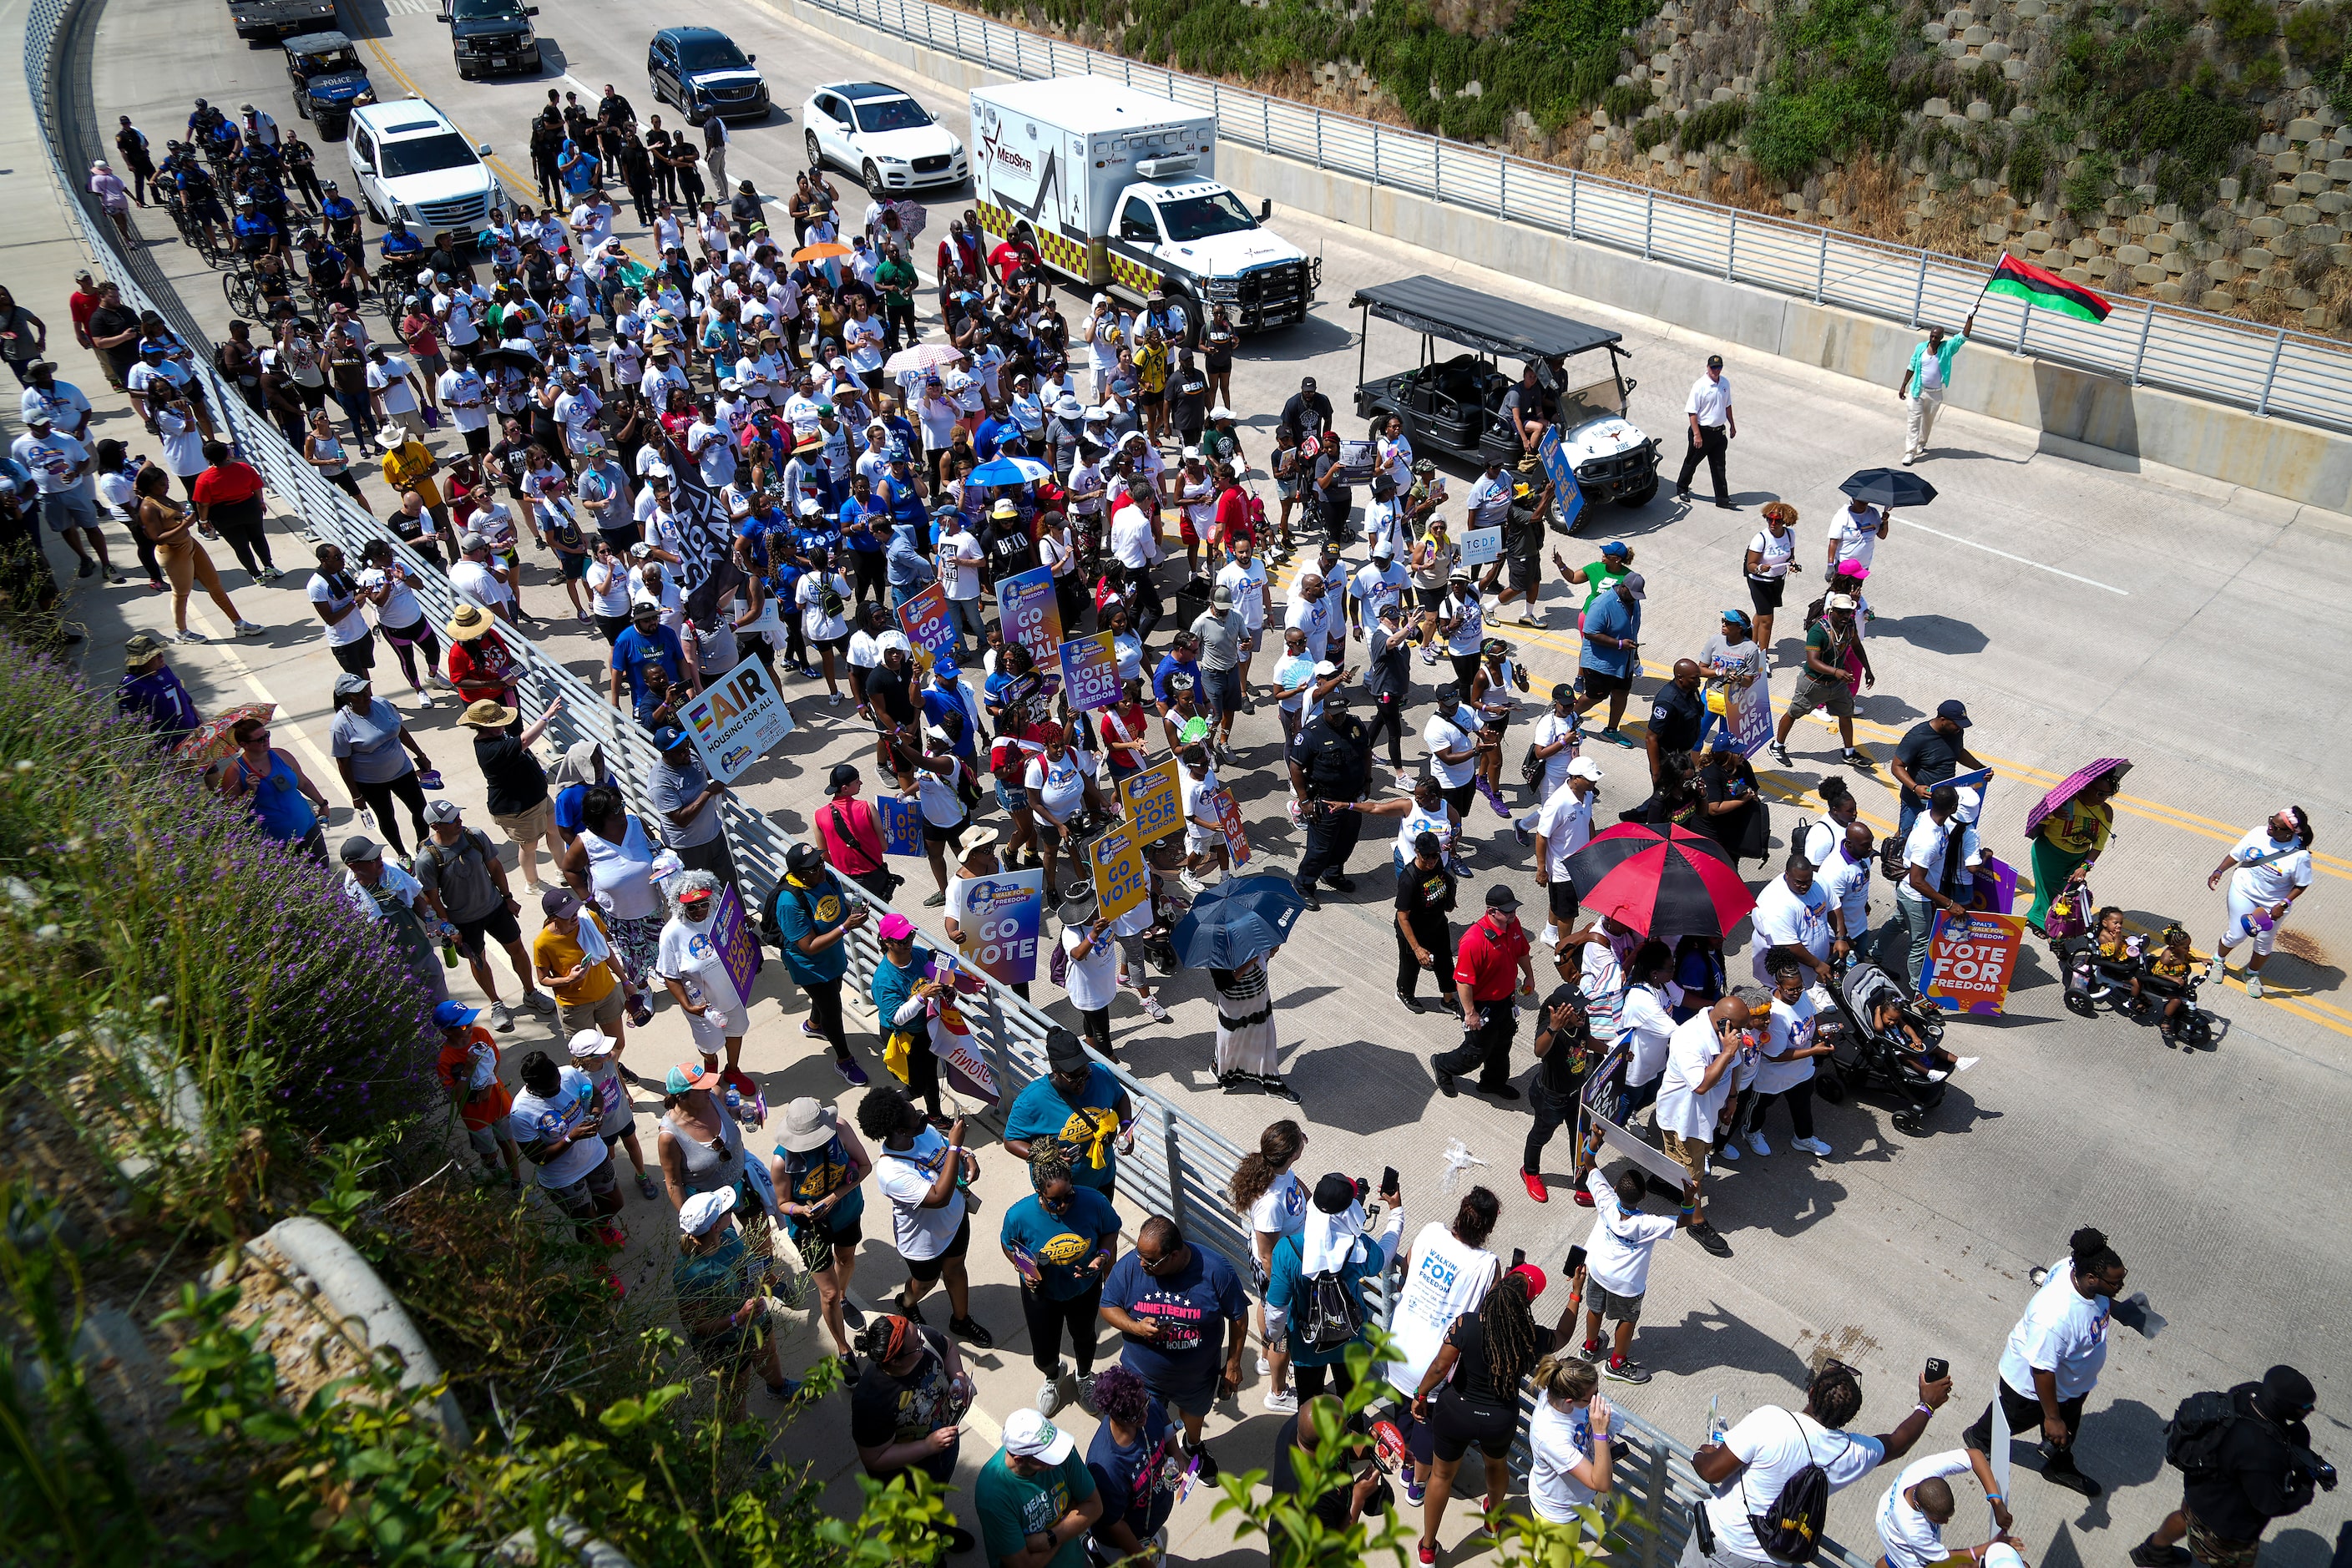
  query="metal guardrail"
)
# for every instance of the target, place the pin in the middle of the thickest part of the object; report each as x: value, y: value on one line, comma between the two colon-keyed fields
x: 2270, y: 370
x: 1180, y: 1166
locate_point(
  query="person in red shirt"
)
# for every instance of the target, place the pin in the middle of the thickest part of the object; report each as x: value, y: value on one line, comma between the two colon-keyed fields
x: 852, y: 833
x: 1010, y: 257
x: 1491, y: 965
x: 79, y: 306
x: 468, y: 1069
x: 227, y: 496
x: 1233, y: 523
x: 481, y: 666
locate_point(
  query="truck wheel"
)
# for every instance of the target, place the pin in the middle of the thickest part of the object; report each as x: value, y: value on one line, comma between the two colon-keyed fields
x: 302, y: 105
x: 1193, y: 319
x: 465, y: 71
x: 1644, y: 496
x: 374, y: 215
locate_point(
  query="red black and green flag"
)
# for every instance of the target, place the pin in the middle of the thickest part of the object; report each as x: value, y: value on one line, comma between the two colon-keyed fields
x: 2037, y: 286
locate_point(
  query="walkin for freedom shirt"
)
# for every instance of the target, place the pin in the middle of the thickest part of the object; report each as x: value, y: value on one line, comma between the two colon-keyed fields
x: 2064, y: 1333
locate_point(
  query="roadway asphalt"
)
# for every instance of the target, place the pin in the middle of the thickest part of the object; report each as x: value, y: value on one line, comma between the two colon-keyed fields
x: 2080, y: 612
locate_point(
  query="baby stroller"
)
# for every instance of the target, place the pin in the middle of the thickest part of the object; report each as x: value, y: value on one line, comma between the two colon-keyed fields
x: 2093, y: 978
x: 1866, y: 1059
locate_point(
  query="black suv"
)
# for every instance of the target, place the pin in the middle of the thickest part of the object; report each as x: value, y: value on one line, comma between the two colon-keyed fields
x: 491, y: 36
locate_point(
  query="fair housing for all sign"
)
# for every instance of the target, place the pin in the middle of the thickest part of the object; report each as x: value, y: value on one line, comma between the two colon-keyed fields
x: 736, y: 719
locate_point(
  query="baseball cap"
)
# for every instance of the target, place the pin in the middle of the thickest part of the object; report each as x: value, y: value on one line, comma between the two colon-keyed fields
x: 441, y: 811
x: 1616, y: 547
x: 1535, y: 1278
x: 703, y: 1210
x: 1584, y: 768
x: 359, y: 849
x: 590, y: 1043
x: 1499, y: 897
x: 1737, y: 617
x: 559, y: 903
x: 842, y: 773
x: 1633, y: 583
x: 1029, y: 1435
x: 1715, y: 362
x: 1953, y: 709
x: 689, y: 1074
x: 668, y: 738
x: 895, y: 927
x: 452, y: 1015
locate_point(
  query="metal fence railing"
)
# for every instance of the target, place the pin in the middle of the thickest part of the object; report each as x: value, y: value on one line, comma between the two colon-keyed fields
x: 1181, y: 1167
x: 2269, y: 370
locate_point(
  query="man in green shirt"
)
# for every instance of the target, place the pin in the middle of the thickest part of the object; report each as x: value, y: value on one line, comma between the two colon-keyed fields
x: 1923, y: 382
x: 1036, y: 1497
x: 895, y: 280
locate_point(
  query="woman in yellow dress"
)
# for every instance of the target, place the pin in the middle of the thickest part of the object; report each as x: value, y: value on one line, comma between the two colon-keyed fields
x: 2068, y: 837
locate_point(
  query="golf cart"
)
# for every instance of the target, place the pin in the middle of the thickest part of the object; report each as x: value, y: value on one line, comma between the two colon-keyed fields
x: 1455, y: 405
x: 328, y: 80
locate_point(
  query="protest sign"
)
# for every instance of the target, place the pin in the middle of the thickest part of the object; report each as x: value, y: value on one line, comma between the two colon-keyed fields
x: 1152, y: 803
x: 736, y: 719
x: 925, y: 620
x: 1229, y: 823
x: 1747, y: 715
x: 1090, y: 672
x: 732, y: 934
x: 1120, y: 880
x: 1972, y: 958
x: 1030, y: 612
x: 1481, y: 547
x: 1002, y: 914
x: 902, y: 824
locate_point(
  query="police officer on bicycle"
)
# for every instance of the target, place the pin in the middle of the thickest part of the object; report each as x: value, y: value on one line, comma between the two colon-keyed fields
x: 333, y: 275
x: 256, y: 235
x: 341, y: 216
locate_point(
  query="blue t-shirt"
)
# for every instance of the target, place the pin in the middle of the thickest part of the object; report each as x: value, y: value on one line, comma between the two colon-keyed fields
x: 984, y: 439
x: 1612, y: 615
x: 892, y: 985
x: 1061, y: 1246
x: 571, y: 804
x: 1170, y: 665
x: 805, y: 912
x: 868, y: 540
x: 1086, y: 1133
x: 1137, y: 1482
x: 634, y: 653
x: 1190, y: 1305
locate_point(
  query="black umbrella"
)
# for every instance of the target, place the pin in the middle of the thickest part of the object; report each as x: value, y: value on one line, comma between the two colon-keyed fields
x: 1889, y: 488
x: 507, y: 359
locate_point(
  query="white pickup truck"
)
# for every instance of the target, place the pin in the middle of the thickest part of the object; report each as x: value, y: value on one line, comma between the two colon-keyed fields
x: 1116, y: 191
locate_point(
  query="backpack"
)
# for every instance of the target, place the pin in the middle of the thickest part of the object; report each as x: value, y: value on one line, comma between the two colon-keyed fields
x: 1790, y: 1529
x: 1058, y: 968
x: 1332, y: 1314
x: 828, y: 600
x: 2192, y: 1439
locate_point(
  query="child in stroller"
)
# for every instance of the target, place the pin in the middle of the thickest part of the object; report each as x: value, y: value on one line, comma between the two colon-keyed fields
x: 2108, y: 959
x: 1885, y: 1039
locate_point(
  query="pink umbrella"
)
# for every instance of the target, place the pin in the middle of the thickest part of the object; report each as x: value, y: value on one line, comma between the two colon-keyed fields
x: 2072, y: 784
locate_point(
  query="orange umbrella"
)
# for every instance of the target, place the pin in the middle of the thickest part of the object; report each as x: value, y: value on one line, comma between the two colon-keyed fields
x: 828, y: 251
x: 211, y: 739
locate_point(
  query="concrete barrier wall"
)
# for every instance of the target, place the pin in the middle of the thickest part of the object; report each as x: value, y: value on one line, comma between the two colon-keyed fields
x: 2094, y: 419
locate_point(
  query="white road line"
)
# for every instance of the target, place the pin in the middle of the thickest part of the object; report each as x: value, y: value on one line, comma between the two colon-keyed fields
x: 2005, y: 555
x: 224, y: 643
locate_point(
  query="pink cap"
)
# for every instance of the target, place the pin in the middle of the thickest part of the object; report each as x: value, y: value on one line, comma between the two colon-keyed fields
x: 895, y: 927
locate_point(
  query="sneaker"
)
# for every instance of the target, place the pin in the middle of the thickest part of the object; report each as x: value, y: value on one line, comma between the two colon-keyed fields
x: 1810, y: 1146
x: 1207, y: 1472
x: 1191, y: 884
x: 911, y: 1311
x: 851, y: 1073
x: 1710, y: 1239
x: 1593, y: 1351
x: 1158, y: 1013
x: 1617, y: 737
x: 1086, y: 1393
x: 1853, y: 758
x: 1445, y: 1085
x: 1962, y: 1064
x: 2150, y: 1554
x: 1413, y: 1491
x: 500, y: 1020
x: 609, y: 1234
x: 1756, y: 1142
x: 1306, y: 896
x: 1282, y: 1401
x: 85, y: 568
x: 114, y: 575
x: 785, y: 1392
x: 249, y: 629
x: 1049, y: 1393
x: 1428, y: 1553
x: 1583, y: 1198
x: 538, y: 1000
x: 514, y: 1180
x: 1410, y: 1003
x: 834, y: 699
x: 645, y: 1185
x: 1535, y: 1185
x: 1494, y: 798
x: 1617, y: 1369
x: 2253, y: 985
x: 1525, y: 837
x: 1265, y: 1367
x: 968, y: 1329
x: 935, y: 901
x: 849, y: 1370
x: 192, y: 635
x: 1731, y: 1149
x: 1780, y: 755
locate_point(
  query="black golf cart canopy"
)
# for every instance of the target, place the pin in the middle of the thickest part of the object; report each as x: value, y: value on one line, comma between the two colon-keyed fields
x: 317, y: 44
x: 1437, y: 309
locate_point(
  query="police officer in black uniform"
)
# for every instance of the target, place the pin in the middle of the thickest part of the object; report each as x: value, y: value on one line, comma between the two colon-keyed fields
x: 1331, y: 769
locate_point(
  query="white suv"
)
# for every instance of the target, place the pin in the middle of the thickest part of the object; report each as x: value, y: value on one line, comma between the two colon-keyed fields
x: 410, y: 163
x: 888, y: 138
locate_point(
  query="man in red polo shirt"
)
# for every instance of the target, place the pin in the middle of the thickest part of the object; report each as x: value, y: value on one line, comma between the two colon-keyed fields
x: 1491, y: 965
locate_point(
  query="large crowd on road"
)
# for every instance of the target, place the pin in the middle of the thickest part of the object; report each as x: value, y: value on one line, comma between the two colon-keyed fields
x: 824, y: 434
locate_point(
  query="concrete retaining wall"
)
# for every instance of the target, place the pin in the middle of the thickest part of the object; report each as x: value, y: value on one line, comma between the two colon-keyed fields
x: 2078, y: 414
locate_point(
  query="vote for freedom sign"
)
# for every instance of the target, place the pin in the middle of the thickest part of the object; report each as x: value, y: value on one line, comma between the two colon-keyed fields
x: 1972, y: 958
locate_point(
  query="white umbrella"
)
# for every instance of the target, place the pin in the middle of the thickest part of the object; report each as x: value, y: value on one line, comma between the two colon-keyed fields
x: 921, y: 357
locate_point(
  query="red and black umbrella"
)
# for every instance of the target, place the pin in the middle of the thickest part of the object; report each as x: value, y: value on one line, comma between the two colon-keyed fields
x: 1669, y: 882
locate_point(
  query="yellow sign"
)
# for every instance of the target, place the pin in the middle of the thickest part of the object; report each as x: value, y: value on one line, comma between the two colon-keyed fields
x: 1153, y: 804
x: 1120, y: 880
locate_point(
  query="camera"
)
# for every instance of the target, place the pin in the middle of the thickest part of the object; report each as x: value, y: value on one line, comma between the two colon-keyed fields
x: 2309, y: 1465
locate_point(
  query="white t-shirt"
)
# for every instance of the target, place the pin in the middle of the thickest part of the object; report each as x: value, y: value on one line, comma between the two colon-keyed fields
x: 1438, y: 735
x: 1444, y: 1278
x: 1847, y: 882
x: 960, y: 558
x: 1557, y: 1440
x: 535, y: 1119
x: 1776, y: 1444
x: 1912, y: 1539
x: 1417, y: 822
x: 2270, y: 883
x: 1617, y: 1253
x: 1646, y: 1022
x: 1463, y: 607
x: 1787, y: 918
x: 1063, y: 784
x: 809, y: 592
x: 1316, y: 618
x: 1093, y: 981
x: 477, y: 585
x: 1792, y: 1029
x: 1681, y: 1109
x: 687, y: 956
x: 608, y: 588
x: 905, y: 1177
x: 1566, y: 825
x: 1281, y: 1209
x: 1927, y: 847
x: 350, y: 628
x: 1248, y: 586
x: 1773, y: 554
x: 2063, y: 1332
x: 1552, y: 727
x: 390, y: 378
x: 1855, y: 533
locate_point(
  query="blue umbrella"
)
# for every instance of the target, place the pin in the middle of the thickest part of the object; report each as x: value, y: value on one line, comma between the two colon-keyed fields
x: 1010, y: 472
x: 1236, y: 921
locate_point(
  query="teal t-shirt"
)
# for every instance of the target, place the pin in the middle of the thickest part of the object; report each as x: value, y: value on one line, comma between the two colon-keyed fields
x: 1014, y: 1508
x: 1060, y: 1245
x: 808, y: 911
x: 1087, y: 1135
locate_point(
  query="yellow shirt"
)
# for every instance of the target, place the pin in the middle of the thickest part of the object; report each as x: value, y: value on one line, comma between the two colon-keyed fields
x: 551, y: 952
x: 1151, y: 366
x: 2078, y: 828
x: 408, y: 467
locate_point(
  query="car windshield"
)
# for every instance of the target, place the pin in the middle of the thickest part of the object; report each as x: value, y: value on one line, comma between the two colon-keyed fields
x: 1198, y: 217
x: 1597, y: 401
x: 892, y: 115
x: 484, y: 10
x: 710, y: 54
x: 423, y: 154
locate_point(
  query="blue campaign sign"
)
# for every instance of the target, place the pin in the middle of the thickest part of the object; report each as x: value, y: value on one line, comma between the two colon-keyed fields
x: 902, y: 824
x: 1562, y: 476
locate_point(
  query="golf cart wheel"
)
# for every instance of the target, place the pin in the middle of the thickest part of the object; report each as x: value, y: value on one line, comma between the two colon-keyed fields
x: 302, y: 105
x: 1644, y: 496
x: 2197, y: 1031
x: 816, y: 153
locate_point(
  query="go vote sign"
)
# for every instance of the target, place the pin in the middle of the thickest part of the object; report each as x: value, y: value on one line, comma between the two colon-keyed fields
x: 1121, y: 881
x: 1972, y: 958
x: 1001, y: 918
x: 1032, y: 616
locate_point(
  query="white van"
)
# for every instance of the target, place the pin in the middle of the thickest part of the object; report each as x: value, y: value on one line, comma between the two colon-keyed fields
x: 408, y: 162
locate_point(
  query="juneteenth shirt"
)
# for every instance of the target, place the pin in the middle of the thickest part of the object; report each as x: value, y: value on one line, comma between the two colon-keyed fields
x: 1189, y: 1304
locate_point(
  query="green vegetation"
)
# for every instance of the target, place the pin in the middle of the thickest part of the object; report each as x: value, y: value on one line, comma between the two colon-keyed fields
x: 2319, y: 40
x: 2144, y: 93
x: 1835, y: 93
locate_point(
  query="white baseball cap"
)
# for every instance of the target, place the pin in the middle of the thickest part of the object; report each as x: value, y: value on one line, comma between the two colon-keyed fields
x: 1584, y: 768
x: 1030, y: 1435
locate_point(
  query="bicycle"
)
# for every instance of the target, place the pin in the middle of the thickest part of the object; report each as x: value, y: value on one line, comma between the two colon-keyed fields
x: 243, y: 290
x: 193, y: 235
